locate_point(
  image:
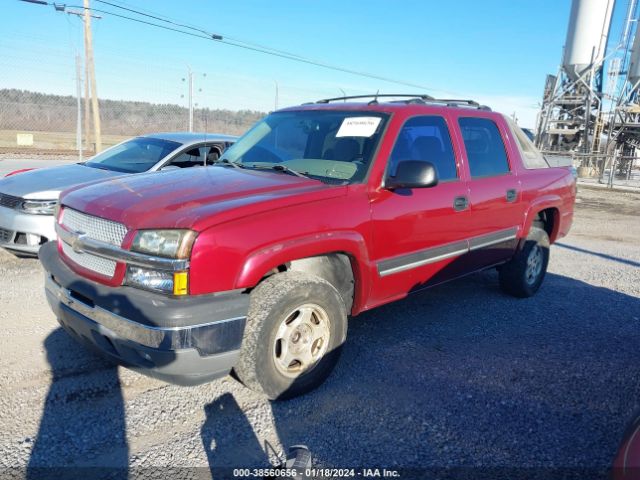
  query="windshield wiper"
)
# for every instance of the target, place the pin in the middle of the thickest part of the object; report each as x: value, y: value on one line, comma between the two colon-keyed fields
x: 284, y: 168
x: 279, y: 168
x: 225, y: 161
x: 96, y: 165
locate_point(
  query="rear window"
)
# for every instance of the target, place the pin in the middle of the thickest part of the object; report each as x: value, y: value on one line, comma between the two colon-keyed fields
x: 531, y: 156
x: 486, y: 154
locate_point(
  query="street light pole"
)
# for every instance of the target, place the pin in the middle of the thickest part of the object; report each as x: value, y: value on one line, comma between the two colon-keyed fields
x: 190, y: 80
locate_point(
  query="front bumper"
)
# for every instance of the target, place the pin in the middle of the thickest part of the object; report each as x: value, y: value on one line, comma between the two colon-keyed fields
x: 17, y: 230
x: 182, y: 340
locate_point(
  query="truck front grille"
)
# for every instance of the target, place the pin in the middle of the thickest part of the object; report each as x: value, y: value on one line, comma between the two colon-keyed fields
x: 94, y: 263
x: 95, y: 228
x: 9, y: 201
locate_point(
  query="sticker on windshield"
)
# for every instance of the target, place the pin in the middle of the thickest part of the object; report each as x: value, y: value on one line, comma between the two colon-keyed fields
x: 358, y: 127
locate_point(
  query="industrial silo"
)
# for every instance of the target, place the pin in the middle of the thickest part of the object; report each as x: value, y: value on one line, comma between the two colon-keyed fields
x: 587, y: 35
x: 571, y: 115
x: 634, y: 64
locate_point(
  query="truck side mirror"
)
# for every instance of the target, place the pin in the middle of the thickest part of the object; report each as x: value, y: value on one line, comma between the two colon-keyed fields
x: 413, y: 174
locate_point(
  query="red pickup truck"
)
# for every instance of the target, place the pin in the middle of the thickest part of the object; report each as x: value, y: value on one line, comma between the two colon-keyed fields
x: 317, y: 213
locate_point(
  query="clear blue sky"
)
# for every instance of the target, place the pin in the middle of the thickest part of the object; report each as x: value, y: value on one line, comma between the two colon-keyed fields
x: 497, y: 51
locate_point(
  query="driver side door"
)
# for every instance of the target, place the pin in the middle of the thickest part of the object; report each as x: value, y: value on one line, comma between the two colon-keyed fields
x: 420, y: 234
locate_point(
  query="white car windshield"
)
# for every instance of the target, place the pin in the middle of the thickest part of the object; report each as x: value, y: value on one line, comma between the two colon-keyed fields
x: 134, y: 156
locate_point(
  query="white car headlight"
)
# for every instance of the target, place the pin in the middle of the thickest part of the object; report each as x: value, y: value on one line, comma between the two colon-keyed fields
x: 39, y: 207
x: 165, y: 243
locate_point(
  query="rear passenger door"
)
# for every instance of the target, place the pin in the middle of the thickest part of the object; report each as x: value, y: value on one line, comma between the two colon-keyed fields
x: 494, y: 190
x: 419, y: 234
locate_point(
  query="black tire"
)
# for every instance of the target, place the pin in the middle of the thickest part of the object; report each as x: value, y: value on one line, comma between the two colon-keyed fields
x: 271, y: 302
x: 516, y: 276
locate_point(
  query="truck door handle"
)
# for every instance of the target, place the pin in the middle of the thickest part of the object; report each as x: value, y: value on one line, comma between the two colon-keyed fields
x: 512, y: 195
x: 460, y: 203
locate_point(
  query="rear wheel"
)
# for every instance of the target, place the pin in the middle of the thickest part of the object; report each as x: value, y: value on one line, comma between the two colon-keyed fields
x: 295, y: 329
x: 523, y: 275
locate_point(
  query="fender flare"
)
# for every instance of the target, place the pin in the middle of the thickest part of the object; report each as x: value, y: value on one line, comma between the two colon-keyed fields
x: 537, y: 205
x: 259, y: 263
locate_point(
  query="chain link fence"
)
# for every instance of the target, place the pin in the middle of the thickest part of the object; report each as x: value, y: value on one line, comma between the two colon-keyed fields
x: 602, y: 169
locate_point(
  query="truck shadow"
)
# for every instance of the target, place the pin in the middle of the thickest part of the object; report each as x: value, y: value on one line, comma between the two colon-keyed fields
x: 229, y: 439
x: 613, y: 258
x: 464, y: 376
x: 82, y: 430
x: 458, y: 375
x: 83, y: 419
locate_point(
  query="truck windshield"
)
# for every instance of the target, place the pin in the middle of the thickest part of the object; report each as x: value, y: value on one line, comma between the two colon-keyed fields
x: 134, y: 156
x: 332, y: 146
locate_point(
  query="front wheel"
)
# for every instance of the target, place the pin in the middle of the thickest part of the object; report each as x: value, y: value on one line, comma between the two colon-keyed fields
x: 295, y: 329
x: 524, y: 273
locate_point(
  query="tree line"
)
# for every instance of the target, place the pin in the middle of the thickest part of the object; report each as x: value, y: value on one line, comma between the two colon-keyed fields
x: 36, y: 111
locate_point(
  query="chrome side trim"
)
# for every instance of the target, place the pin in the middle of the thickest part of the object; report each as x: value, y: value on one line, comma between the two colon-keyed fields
x: 82, y: 244
x: 167, y: 338
x: 492, y: 238
x: 436, y: 254
x: 424, y: 257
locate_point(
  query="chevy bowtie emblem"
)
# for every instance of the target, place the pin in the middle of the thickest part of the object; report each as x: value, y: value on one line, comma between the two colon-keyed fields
x: 76, y: 242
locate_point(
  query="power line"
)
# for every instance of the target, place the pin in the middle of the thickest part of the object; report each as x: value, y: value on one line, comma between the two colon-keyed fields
x: 196, y: 28
x: 203, y: 34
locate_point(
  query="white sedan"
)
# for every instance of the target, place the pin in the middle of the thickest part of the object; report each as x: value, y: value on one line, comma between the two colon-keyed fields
x: 28, y: 199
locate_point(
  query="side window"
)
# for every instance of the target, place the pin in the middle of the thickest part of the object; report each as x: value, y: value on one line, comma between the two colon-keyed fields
x: 425, y: 138
x: 213, y: 153
x: 191, y: 158
x: 485, y: 149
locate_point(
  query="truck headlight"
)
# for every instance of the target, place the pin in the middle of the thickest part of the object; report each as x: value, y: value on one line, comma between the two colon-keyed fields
x: 39, y: 207
x: 165, y: 243
x: 172, y: 283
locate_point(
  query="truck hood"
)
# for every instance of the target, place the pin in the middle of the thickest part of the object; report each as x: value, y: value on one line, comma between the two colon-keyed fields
x: 194, y: 198
x: 47, y: 183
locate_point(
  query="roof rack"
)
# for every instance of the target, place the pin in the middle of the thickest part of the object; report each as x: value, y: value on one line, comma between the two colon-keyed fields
x: 450, y: 102
x: 411, y: 99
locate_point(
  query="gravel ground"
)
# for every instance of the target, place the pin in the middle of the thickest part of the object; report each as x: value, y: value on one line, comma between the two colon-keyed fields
x: 460, y: 376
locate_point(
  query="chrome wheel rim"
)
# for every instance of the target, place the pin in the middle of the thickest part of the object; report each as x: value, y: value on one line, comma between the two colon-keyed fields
x: 301, y: 340
x: 534, y: 264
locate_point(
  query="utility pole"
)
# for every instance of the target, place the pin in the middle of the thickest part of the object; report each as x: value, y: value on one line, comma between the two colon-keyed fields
x: 87, y: 107
x: 88, y: 43
x: 90, y: 74
x: 276, y: 100
x: 87, y: 99
x: 79, y: 107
